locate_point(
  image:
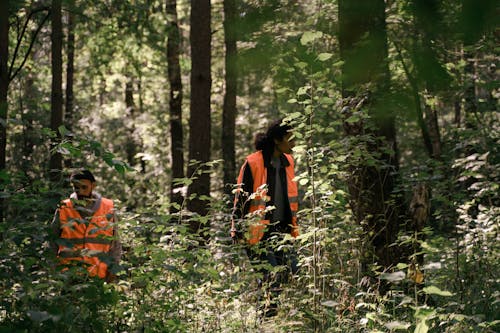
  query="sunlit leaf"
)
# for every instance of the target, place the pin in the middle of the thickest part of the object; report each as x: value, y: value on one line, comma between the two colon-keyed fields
x: 330, y: 304
x: 421, y: 327
x: 393, y: 277
x: 397, y: 325
x: 436, y: 291
x: 310, y: 36
x: 324, y: 56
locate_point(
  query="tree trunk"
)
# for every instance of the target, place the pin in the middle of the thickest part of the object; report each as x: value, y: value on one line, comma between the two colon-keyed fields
x: 4, y: 86
x: 69, y: 114
x: 363, y: 48
x: 431, y: 118
x: 130, y: 148
x: 56, y: 119
x: 470, y: 99
x: 28, y: 116
x: 175, y: 103
x: 458, y: 112
x: 428, y: 69
x: 229, y: 108
x: 199, y: 122
x: 140, y: 143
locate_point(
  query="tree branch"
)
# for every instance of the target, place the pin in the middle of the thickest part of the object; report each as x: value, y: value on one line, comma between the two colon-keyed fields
x: 33, y: 12
x: 418, y: 107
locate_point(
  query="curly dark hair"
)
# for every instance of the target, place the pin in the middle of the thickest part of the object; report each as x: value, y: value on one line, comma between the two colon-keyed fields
x: 276, y: 130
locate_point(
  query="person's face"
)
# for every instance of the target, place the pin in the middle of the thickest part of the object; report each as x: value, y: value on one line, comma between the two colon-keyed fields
x: 83, y: 188
x: 285, y: 145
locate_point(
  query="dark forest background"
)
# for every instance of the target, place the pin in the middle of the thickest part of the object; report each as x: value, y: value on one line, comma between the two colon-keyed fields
x: 395, y: 112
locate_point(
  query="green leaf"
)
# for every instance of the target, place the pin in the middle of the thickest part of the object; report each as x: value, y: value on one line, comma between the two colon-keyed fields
x: 421, y: 327
x: 62, y: 130
x: 301, y: 64
x: 352, y: 119
x: 436, y: 291
x: 302, y: 91
x: 330, y: 304
x: 326, y: 101
x: 338, y: 63
x: 424, y: 312
x: 310, y: 36
x: 303, y: 181
x: 324, y: 56
x: 282, y: 90
x: 397, y: 325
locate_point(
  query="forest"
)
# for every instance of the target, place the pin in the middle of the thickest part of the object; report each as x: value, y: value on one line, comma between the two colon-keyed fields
x: 394, y: 110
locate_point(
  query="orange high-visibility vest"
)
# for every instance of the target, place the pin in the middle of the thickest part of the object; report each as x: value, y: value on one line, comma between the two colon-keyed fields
x: 258, y: 203
x: 86, y: 236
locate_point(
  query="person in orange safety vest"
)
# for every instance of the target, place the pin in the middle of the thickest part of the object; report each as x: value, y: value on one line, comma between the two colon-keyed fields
x: 86, y: 228
x: 266, y: 202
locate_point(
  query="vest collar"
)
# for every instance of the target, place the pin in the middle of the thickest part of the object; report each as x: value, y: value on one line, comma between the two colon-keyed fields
x: 89, y: 210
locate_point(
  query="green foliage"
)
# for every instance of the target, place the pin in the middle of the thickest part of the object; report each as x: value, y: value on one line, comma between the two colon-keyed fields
x: 172, y: 280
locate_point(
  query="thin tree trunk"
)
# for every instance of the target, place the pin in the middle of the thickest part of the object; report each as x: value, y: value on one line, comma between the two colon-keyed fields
x: 363, y: 47
x: 431, y: 118
x: 425, y: 14
x: 69, y: 112
x: 131, y: 148
x: 199, y: 122
x: 418, y: 103
x: 56, y: 119
x: 28, y: 114
x: 458, y: 113
x: 4, y: 86
x: 470, y: 99
x: 175, y: 103
x: 229, y: 108
x: 140, y: 144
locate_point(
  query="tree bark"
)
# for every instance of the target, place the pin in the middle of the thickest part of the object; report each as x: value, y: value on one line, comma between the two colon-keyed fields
x: 428, y: 68
x: 175, y: 103
x: 140, y: 143
x: 69, y: 112
x: 470, y: 98
x: 4, y: 86
x: 431, y: 118
x: 131, y: 148
x: 229, y: 108
x: 56, y: 119
x: 363, y: 48
x: 199, y: 122
x: 28, y: 116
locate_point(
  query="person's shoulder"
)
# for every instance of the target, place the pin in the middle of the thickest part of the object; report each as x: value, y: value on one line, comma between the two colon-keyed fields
x: 107, y: 201
x: 65, y: 203
x: 255, y: 156
x: 289, y: 158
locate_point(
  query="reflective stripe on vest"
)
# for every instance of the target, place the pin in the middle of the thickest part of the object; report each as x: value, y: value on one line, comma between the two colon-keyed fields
x: 258, y: 202
x: 85, y: 239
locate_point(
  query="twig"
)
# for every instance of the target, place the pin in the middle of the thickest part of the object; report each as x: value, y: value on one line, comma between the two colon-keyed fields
x: 10, y: 75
